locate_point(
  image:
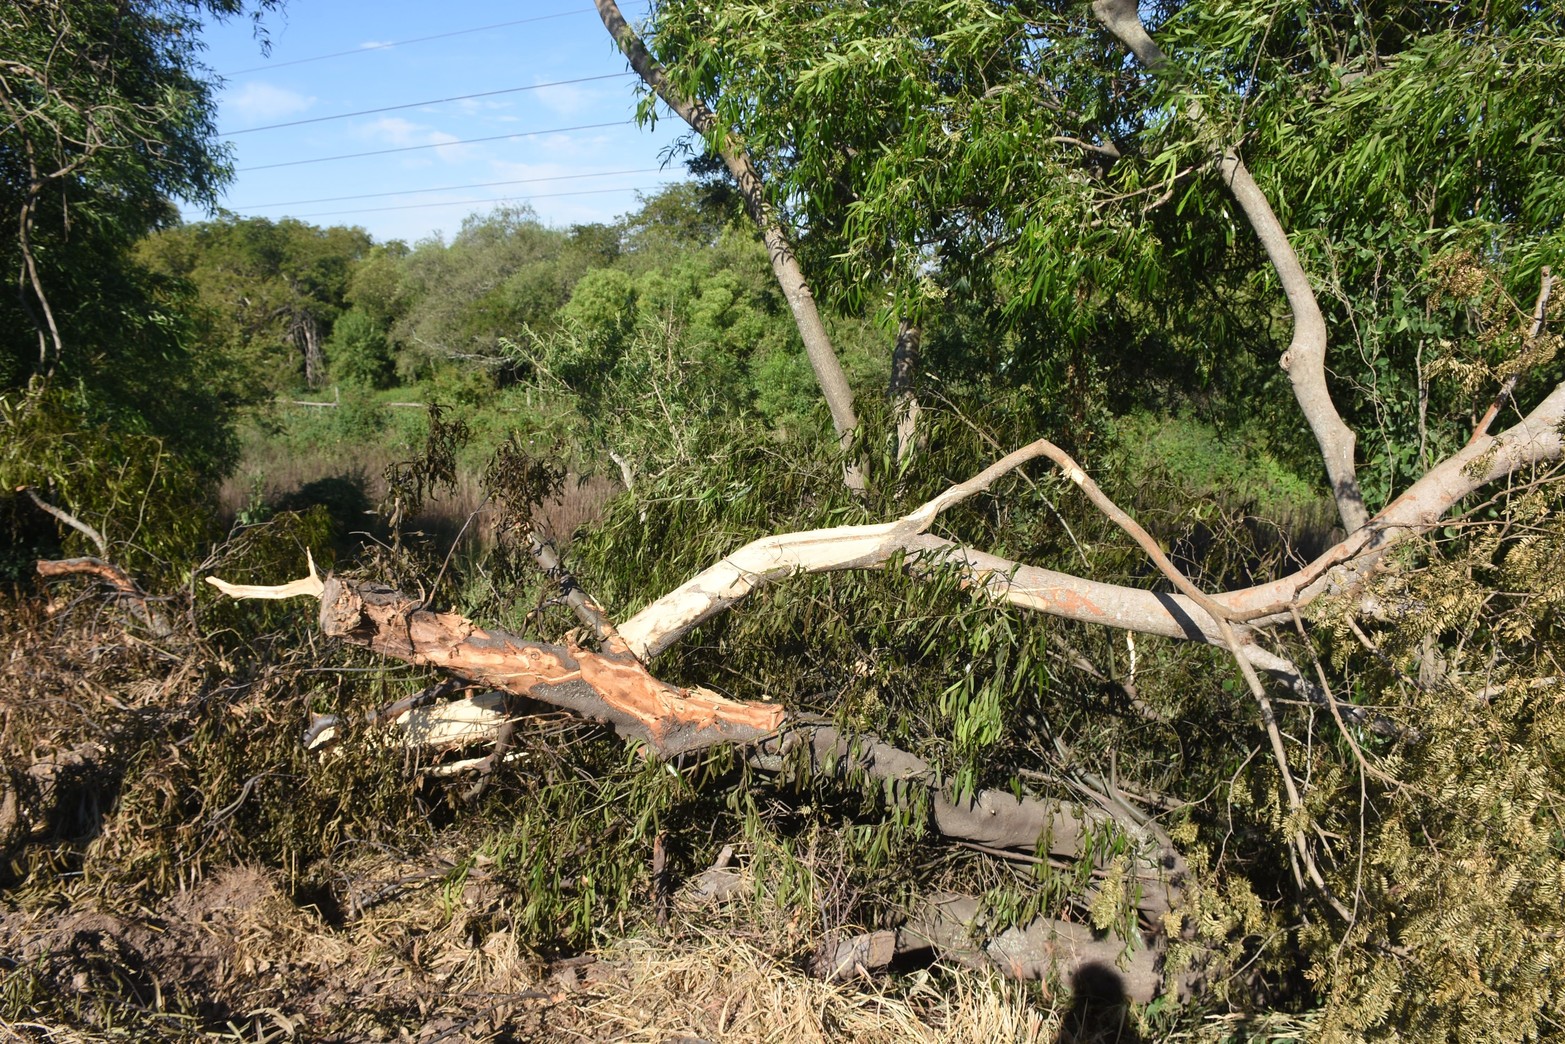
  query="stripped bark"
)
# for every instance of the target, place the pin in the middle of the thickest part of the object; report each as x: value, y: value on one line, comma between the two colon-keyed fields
x: 1305, y: 359
x: 785, y: 264
x: 604, y: 687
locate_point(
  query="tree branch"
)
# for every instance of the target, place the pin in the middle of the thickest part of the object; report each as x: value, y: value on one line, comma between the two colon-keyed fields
x: 1539, y: 313
x: 113, y: 575
x: 785, y: 264
x: 69, y: 519
x: 1344, y: 567
x: 1305, y: 359
x: 900, y: 390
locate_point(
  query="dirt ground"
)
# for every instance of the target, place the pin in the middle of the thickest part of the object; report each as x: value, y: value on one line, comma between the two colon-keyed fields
x: 234, y: 958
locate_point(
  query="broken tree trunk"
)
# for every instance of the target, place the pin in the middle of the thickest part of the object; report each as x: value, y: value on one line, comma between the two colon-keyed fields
x: 614, y: 689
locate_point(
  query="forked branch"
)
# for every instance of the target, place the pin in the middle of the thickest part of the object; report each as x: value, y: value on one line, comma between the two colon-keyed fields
x: 1305, y: 359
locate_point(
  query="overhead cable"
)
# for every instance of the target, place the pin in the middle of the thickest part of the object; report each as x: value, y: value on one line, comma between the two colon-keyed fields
x: 431, y: 101
x: 437, y: 145
x: 477, y: 202
x: 447, y: 188
x: 371, y: 48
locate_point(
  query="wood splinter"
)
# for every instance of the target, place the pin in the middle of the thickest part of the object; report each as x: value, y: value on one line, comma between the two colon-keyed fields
x: 608, y: 687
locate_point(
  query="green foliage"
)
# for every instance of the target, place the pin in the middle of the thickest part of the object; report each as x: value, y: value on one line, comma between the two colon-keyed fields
x: 108, y: 402
x: 501, y: 276
x: 358, y: 351
x: 664, y: 352
x: 269, y: 291
x: 149, y: 504
x: 107, y: 115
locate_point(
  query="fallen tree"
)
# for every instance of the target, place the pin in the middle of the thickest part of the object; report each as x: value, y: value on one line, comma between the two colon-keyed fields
x: 931, y: 182
x: 612, y: 686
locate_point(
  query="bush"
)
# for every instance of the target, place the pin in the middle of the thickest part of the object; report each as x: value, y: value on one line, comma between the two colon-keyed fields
x: 358, y: 351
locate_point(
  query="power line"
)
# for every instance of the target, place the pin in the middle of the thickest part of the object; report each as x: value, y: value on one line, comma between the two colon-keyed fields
x: 476, y: 202
x: 437, y: 145
x: 418, y: 39
x: 448, y: 188
x: 417, y: 104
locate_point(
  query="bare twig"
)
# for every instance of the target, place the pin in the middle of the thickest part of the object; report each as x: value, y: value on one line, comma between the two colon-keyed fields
x: 1539, y: 313
x: 69, y: 519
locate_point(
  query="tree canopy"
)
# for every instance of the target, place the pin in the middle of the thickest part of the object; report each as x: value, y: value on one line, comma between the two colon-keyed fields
x: 107, y: 117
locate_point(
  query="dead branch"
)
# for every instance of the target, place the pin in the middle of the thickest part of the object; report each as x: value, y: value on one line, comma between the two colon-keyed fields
x: 310, y: 585
x: 69, y: 519
x: 604, y: 687
x: 1343, y: 568
x: 116, y: 578
x: 617, y: 691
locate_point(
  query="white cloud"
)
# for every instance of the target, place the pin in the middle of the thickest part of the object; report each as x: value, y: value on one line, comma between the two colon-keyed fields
x: 400, y: 133
x: 257, y: 101
x: 374, y: 45
x: 567, y: 99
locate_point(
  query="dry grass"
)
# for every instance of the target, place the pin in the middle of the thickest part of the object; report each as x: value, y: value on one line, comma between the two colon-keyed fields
x: 268, y: 476
x: 725, y: 989
x: 415, y: 971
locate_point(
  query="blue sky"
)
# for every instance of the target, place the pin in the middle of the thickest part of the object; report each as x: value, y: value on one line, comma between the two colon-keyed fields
x: 592, y: 173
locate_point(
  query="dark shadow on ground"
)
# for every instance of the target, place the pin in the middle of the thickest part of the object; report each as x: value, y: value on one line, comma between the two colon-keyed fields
x: 1099, y: 1012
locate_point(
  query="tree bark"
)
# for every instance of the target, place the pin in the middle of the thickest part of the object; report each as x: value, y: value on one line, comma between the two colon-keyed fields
x: 952, y: 926
x: 785, y: 264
